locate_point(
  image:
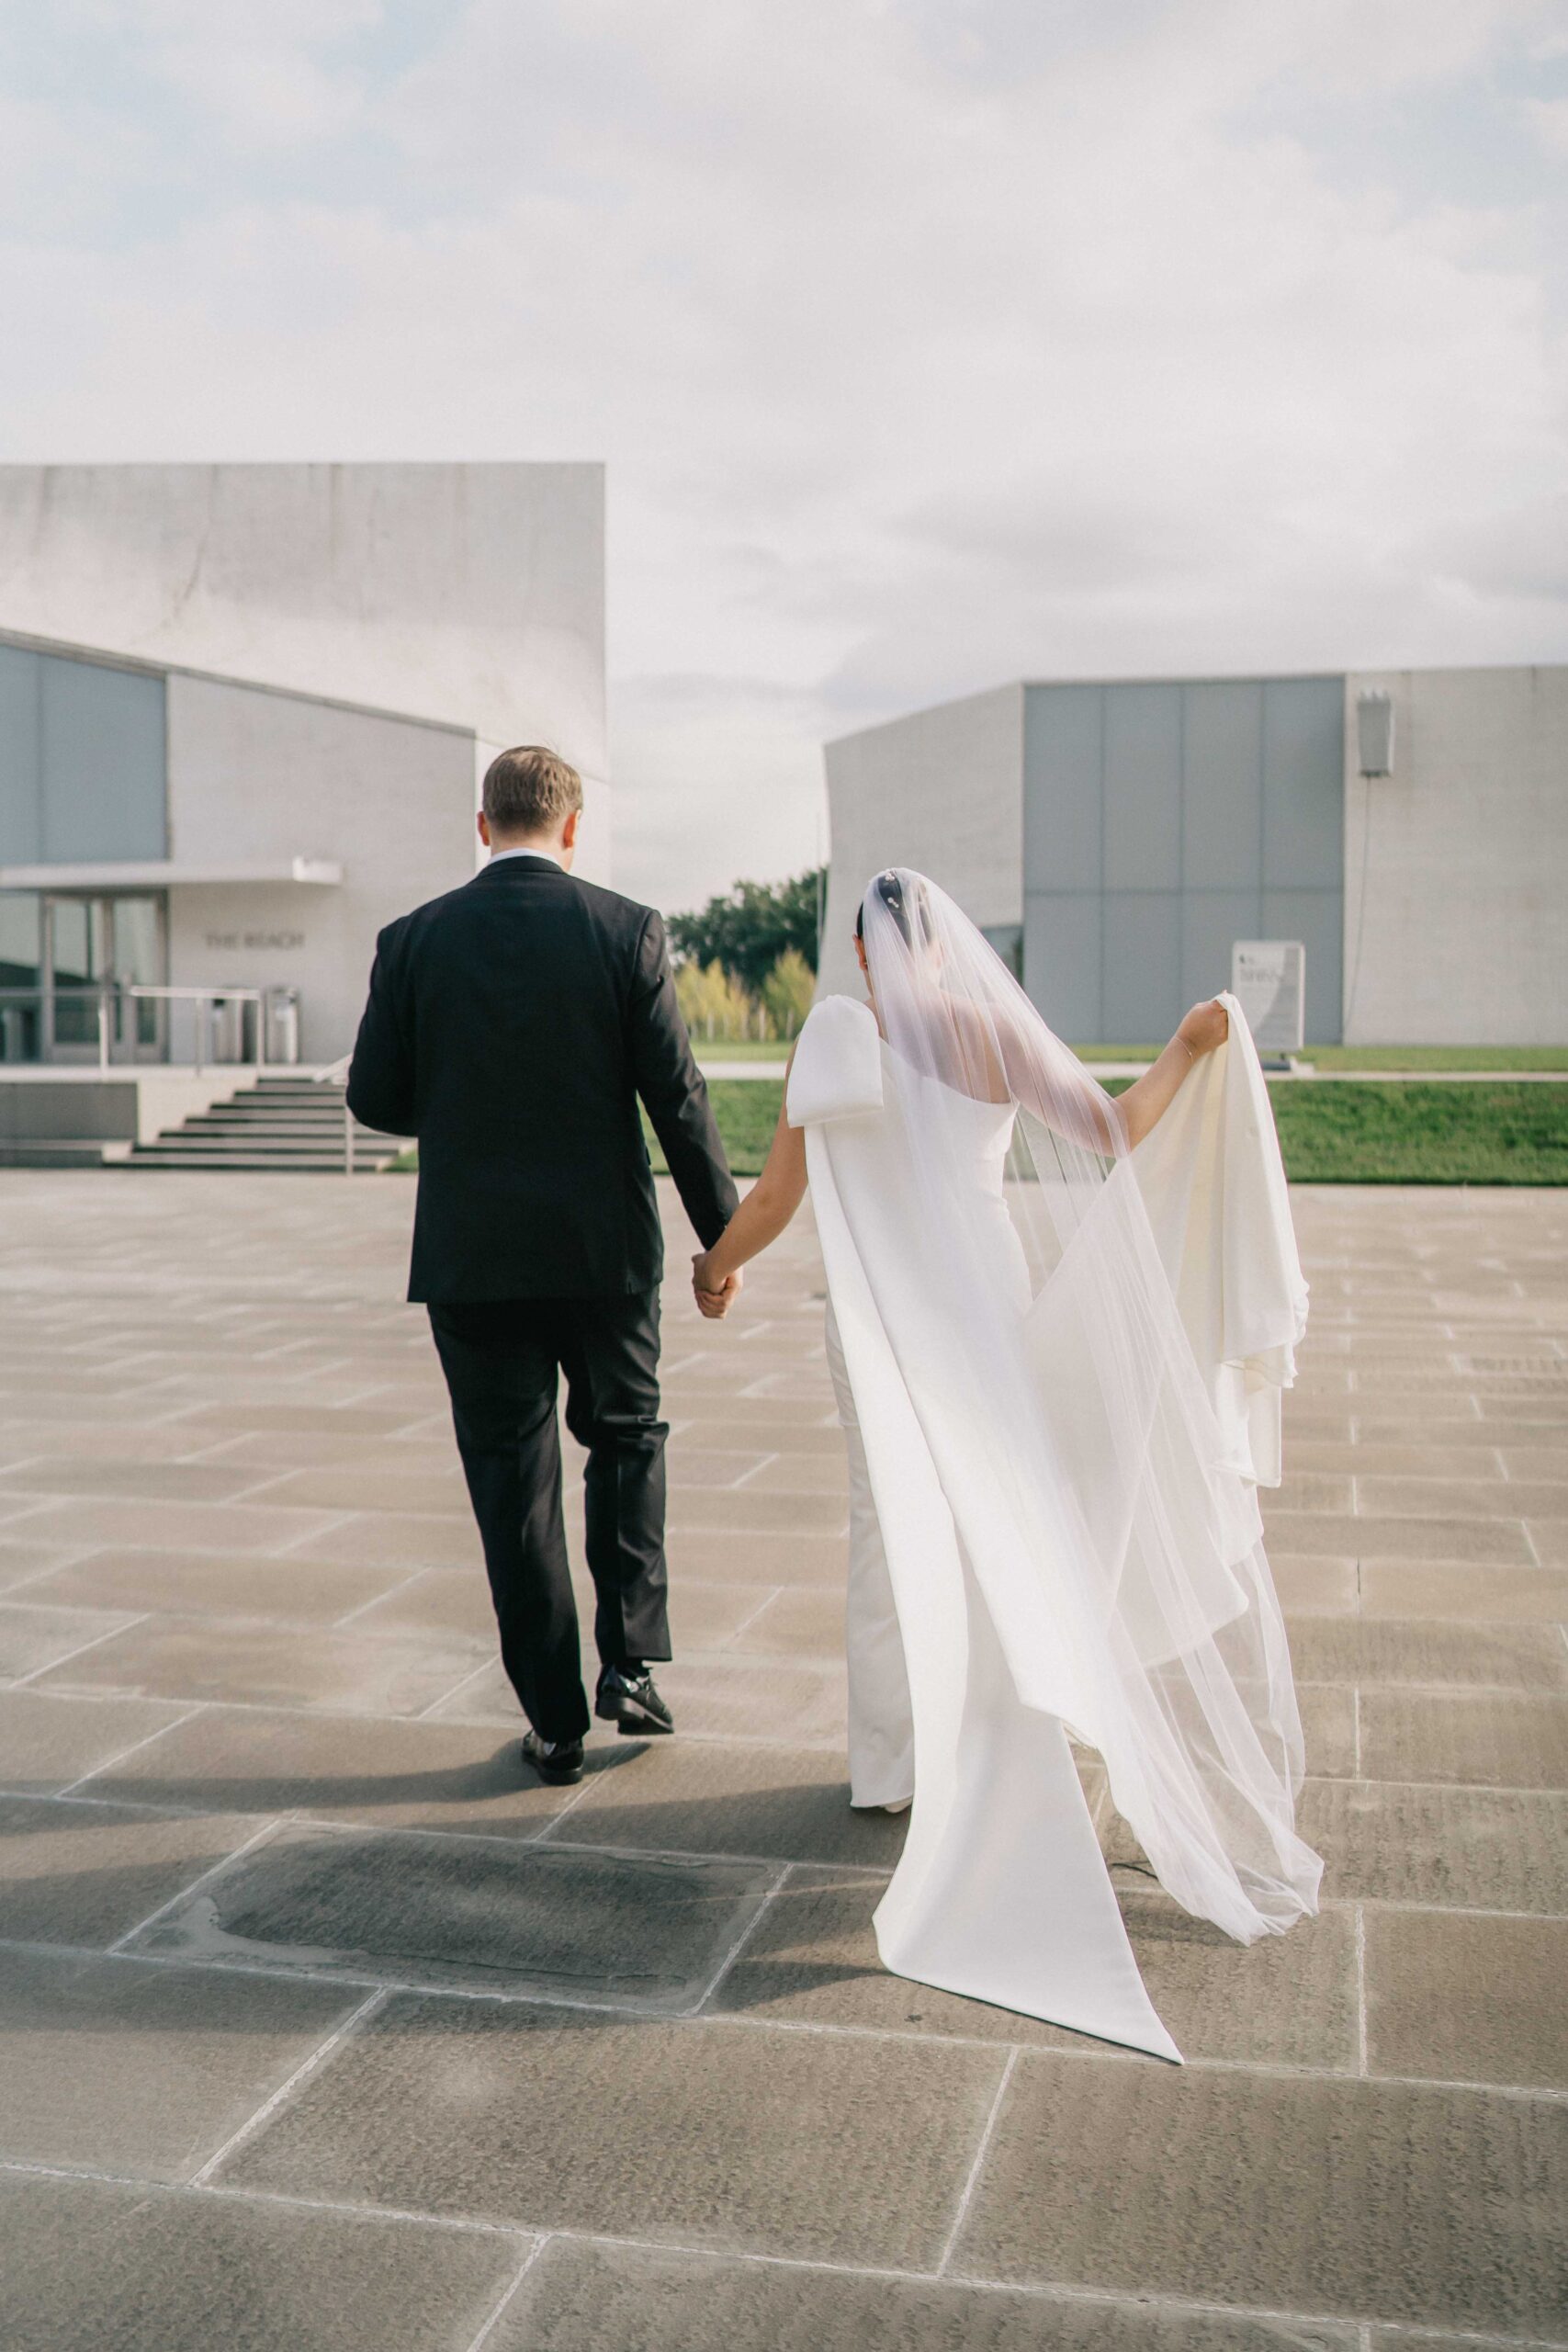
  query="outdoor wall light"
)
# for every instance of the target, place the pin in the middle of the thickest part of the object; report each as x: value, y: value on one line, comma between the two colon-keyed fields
x: 1374, y: 731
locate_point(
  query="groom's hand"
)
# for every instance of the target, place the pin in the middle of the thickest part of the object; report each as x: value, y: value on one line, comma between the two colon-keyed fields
x: 714, y: 1300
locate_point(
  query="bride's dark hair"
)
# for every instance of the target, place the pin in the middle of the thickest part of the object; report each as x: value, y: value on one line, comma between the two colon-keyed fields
x: 889, y: 888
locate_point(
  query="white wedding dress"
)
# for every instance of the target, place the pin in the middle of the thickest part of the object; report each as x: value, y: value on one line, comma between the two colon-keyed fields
x: 1053, y: 1521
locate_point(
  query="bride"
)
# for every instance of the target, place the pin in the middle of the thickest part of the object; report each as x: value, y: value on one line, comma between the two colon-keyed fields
x: 1058, y: 1327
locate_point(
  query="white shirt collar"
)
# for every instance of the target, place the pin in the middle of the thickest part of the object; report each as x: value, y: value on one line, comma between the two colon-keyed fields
x: 496, y: 855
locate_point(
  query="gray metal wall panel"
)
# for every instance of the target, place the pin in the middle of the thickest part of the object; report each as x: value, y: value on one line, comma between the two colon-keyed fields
x: 1219, y: 808
x: 21, y: 796
x: 1142, y: 787
x: 1211, y: 922
x: 1304, y: 783
x: 104, y: 763
x: 1063, y: 755
x: 1221, y: 765
x: 1140, y: 998
x: 1316, y: 919
x: 1061, y: 955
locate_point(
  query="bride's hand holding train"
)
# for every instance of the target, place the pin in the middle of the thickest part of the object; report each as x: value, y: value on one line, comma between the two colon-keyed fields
x: 1149, y: 1097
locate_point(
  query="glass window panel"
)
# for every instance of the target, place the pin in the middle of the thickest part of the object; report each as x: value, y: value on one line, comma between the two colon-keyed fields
x: 103, y: 762
x: 21, y: 838
x: 136, y: 955
x: 21, y: 953
x: 21, y: 938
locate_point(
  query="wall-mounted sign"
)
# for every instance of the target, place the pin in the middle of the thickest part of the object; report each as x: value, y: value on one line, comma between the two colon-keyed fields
x: 1268, y: 978
x: 232, y: 943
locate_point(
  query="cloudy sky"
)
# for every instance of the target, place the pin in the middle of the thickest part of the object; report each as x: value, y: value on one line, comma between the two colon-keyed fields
x: 929, y: 343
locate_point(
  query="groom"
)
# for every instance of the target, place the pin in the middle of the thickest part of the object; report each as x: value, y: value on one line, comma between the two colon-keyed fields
x: 512, y: 1026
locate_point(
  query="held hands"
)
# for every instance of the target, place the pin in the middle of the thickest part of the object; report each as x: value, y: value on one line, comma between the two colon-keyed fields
x: 714, y: 1298
x: 1206, y: 1026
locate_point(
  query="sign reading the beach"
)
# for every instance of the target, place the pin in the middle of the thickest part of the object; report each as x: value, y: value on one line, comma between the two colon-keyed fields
x: 1268, y: 980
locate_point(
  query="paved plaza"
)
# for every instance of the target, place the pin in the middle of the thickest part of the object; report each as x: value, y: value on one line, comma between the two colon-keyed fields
x: 325, y: 2026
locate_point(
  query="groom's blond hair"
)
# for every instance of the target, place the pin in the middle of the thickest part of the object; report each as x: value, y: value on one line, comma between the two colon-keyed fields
x: 530, y: 790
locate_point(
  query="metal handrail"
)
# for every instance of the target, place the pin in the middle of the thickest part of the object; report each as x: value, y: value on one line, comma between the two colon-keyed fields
x: 109, y: 992
x: 334, y: 1073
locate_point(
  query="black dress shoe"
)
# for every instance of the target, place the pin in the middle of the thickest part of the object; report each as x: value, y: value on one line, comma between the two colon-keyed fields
x: 630, y: 1701
x: 559, y: 1762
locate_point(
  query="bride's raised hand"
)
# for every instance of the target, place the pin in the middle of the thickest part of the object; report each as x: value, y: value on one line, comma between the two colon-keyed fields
x: 1206, y: 1026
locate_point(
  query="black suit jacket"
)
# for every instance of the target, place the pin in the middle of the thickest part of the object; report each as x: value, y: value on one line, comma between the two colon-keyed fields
x: 512, y: 1026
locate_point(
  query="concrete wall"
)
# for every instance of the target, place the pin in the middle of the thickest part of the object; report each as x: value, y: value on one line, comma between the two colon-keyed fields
x: 261, y: 777
x: 941, y: 791
x: 1456, y: 866
x: 468, y: 593
x: 1164, y: 820
x: 134, y: 1105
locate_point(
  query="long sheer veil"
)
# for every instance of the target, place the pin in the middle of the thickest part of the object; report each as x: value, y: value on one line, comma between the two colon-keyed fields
x: 1117, y: 1546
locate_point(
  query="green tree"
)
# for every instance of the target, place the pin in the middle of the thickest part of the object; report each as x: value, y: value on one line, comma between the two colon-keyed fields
x: 787, y: 992
x: 749, y: 927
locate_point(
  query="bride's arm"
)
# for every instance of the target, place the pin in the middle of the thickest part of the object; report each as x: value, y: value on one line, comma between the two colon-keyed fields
x: 761, y: 1218
x: 1148, y: 1098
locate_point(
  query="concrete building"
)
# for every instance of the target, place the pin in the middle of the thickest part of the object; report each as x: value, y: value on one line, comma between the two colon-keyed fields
x: 1115, y: 838
x: 243, y: 713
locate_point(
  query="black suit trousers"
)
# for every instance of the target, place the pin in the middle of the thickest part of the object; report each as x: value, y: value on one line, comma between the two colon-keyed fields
x: 502, y: 1359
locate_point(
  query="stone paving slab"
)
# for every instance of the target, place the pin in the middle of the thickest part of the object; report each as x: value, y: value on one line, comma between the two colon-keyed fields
x: 119, y: 2064
x: 640, y: 2299
x: 712, y: 1796
x: 1399, y: 1588
x: 260, y: 1663
x: 1469, y: 1999
x: 1428, y: 1653
x: 1455, y: 1848
x: 86, y: 1873
x: 34, y: 1636
x: 201, y: 1584
x: 1157, y: 2181
x: 475, y: 1914
x: 1501, y: 1739
x: 227, y: 1470
x: 836, y: 2148
x: 388, y: 1774
x: 92, y: 2265
x: 48, y: 1742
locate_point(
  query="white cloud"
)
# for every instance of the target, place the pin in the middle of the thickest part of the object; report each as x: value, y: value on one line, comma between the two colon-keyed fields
x: 927, y: 345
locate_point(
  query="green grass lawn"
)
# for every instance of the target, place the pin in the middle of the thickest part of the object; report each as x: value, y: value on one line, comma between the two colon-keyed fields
x: 1405, y: 1133
x: 747, y: 1110
x: 1358, y: 1134
x: 1417, y: 1058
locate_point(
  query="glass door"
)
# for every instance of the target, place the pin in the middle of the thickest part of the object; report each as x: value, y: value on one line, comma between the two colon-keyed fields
x: 136, y: 955
x: 90, y: 943
x: 75, y: 964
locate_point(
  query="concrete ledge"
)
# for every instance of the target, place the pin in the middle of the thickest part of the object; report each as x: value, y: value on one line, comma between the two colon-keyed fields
x: 52, y: 1105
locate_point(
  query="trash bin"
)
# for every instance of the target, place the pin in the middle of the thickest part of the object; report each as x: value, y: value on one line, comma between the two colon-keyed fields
x: 282, y: 1043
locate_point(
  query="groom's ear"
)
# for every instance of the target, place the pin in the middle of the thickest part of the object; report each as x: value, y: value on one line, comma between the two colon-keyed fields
x: 568, y: 831
x: 484, y: 828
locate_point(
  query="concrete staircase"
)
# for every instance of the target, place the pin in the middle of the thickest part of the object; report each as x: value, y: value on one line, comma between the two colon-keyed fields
x: 277, y: 1125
